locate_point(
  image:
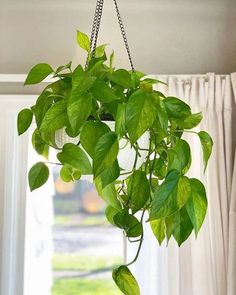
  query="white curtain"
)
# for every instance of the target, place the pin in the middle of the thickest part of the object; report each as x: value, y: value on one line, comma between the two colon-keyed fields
x: 206, y: 266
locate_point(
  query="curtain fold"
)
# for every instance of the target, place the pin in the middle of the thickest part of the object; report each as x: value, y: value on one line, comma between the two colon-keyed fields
x: 231, y: 282
x: 206, y: 266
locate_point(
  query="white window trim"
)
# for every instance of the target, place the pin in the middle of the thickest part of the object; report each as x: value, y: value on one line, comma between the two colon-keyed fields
x: 13, y: 162
x: 13, y: 191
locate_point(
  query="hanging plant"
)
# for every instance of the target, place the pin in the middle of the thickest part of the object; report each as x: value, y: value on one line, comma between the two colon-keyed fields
x: 94, y: 114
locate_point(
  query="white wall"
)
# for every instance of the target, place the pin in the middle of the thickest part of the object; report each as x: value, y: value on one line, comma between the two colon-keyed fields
x: 166, y: 36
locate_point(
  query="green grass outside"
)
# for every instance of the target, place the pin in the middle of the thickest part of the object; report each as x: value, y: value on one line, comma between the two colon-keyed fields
x: 84, y: 287
x: 95, y: 220
x: 84, y: 263
x: 77, y: 262
x: 72, y: 220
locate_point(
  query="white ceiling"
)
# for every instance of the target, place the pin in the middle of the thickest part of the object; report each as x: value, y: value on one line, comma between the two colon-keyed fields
x: 166, y: 36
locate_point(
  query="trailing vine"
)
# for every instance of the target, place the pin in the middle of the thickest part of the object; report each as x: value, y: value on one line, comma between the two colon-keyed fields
x: 82, y: 101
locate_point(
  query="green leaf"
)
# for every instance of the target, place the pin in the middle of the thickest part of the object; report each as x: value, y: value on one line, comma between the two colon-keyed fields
x: 83, y: 85
x: 191, y: 121
x: 102, y: 92
x: 197, y: 204
x: 83, y: 41
x: 62, y: 68
x: 176, y: 108
x: 125, y: 281
x: 207, y: 144
x: 146, y: 86
x: 38, y: 73
x: 122, y: 78
x: 38, y: 175
x: 78, y: 110
x: 100, y: 50
x: 162, y: 116
x: 78, y: 76
x: 105, y: 153
x: 96, y: 66
x: 140, y: 114
x: 160, y: 169
x: 160, y: 134
x: 158, y: 229
x: 108, y: 194
x: 111, y: 60
x: 60, y: 87
x: 41, y: 147
x: 179, y: 225
x: 170, y: 196
x: 111, y: 110
x: 43, y: 97
x: 68, y: 173
x: 110, y: 174
x: 49, y: 138
x: 55, y: 118
x: 74, y: 156
x: 138, y: 190
x: 110, y: 212
x: 43, y: 103
x: 179, y: 157
x: 160, y: 94
x: 120, y: 120
x: 81, y: 82
x: 24, y: 120
x: 129, y: 223
x: 63, y: 86
x: 90, y: 134
x: 152, y: 81
x: 137, y: 76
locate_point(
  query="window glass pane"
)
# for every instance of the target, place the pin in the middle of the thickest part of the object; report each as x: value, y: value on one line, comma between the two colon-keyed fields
x: 86, y: 247
x: 70, y: 247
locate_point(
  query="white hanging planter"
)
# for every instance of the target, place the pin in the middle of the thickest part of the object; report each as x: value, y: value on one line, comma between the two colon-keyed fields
x: 126, y: 156
x: 61, y: 138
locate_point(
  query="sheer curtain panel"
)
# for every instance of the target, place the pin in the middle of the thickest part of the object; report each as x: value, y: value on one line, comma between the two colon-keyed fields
x: 206, y: 266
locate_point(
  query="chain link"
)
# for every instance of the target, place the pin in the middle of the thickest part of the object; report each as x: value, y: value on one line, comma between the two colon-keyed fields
x: 124, y: 34
x: 94, y: 24
x: 99, y: 17
x: 96, y: 28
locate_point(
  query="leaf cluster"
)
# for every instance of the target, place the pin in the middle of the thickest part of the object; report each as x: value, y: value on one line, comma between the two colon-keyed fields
x: 81, y: 101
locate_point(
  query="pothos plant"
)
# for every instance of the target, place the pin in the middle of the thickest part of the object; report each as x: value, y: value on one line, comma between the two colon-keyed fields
x: 81, y: 101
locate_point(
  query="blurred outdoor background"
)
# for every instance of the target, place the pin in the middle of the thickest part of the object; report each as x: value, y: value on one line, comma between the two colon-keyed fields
x: 86, y: 247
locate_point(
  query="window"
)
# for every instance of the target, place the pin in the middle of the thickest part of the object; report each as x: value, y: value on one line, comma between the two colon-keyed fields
x: 30, y: 246
x: 70, y: 247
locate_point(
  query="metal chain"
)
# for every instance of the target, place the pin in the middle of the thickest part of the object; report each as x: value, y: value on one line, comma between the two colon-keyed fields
x: 99, y: 17
x: 96, y: 28
x: 94, y: 24
x: 124, y: 34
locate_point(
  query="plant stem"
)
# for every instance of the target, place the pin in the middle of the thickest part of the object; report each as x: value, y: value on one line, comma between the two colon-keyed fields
x: 140, y: 244
x: 141, y: 149
x: 186, y: 131
x: 149, y: 154
x: 153, y: 164
x: 133, y: 169
x: 134, y: 241
x: 52, y: 163
x: 126, y: 173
